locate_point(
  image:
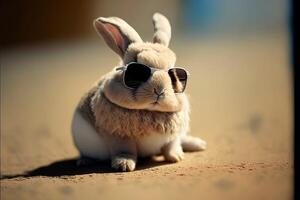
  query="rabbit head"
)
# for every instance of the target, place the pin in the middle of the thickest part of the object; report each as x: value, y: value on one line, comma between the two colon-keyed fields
x: 127, y: 43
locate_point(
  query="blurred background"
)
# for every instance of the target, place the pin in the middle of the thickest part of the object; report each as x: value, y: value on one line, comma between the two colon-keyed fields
x: 238, y: 54
x: 35, y: 22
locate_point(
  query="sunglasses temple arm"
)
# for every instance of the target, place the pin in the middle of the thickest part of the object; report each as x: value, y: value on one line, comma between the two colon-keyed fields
x: 120, y: 68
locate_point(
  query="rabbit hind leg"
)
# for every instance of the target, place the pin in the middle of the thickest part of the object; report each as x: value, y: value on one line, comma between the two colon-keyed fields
x: 190, y: 143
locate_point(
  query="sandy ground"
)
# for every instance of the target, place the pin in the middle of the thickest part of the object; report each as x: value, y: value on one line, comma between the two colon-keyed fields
x: 241, y: 99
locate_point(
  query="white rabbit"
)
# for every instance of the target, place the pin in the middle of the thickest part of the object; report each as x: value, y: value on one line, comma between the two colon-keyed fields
x: 138, y: 109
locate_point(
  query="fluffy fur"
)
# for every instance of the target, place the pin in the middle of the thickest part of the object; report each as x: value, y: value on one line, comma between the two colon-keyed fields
x: 116, y: 122
x: 133, y: 123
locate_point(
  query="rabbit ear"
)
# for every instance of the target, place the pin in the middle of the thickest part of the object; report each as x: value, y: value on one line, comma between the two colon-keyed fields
x: 162, y: 29
x: 117, y: 34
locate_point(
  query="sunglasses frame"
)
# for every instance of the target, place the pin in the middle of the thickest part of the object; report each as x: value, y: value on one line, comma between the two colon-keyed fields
x: 124, y: 68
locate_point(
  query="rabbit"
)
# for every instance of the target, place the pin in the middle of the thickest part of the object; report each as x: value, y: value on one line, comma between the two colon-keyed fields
x: 120, y: 124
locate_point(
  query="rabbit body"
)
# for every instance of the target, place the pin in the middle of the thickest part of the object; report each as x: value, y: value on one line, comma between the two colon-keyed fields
x: 120, y: 124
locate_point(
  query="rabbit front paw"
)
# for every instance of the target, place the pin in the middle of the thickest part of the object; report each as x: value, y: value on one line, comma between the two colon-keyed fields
x: 124, y: 162
x: 175, y: 155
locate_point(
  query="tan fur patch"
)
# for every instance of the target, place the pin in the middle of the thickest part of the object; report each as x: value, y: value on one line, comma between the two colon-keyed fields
x: 130, y: 123
x: 153, y: 55
x: 84, y: 106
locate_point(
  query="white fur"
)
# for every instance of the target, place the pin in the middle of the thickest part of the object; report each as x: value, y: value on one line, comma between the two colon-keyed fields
x: 151, y: 144
x: 87, y: 140
x: 190, y: 143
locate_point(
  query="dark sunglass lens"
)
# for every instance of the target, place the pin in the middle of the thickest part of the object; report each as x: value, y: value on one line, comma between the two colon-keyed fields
x: 179, y: 78
x: 136, y: 74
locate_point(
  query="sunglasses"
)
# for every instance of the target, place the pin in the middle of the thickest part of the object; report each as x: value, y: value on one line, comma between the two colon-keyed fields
x: 136, y: 74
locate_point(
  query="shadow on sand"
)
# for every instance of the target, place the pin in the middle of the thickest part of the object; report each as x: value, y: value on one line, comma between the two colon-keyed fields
x: 68, y: 167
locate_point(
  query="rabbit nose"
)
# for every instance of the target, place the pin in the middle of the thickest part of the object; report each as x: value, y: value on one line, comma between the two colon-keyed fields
x: 159, y: 92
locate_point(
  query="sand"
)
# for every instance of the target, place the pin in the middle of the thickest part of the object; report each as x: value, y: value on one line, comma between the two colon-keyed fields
x: 241, y: 97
